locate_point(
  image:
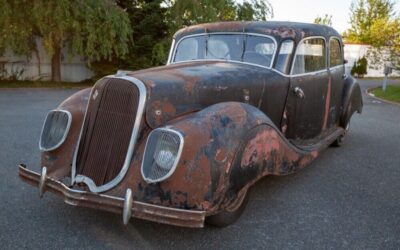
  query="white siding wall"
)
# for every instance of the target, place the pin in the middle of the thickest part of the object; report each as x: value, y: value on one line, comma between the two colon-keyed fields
x: 72, y: 69
x: 352, y: 52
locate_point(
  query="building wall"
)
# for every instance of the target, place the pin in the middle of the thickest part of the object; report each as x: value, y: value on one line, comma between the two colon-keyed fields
x: 72, y: 69
x: 353, y: 52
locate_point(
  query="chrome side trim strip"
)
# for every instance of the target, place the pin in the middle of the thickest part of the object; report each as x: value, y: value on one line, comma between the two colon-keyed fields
x: 178, y: 155
x: 139, y: 114
x: 65, y: 133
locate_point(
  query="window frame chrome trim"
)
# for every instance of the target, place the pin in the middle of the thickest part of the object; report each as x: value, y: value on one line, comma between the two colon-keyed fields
x: 295, y: 53
x: 223, y: 33
x: 341, y: 52
x: 135, y: 132
x: 171, y: 51
x: 291, y: 55
x: 42, y: 149
x: 178, y: 156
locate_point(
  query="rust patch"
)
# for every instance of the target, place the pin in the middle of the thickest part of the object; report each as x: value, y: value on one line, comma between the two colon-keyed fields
x: 220, y: 156
x: 190, y: 83
x: 327, y: 103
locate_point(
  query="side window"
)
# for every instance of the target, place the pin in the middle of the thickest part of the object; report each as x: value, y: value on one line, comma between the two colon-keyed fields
x: 191, y: 49
x: 283, y: 60
x: 259, y: 50
x: 335, y: 55
x: 310, y: 56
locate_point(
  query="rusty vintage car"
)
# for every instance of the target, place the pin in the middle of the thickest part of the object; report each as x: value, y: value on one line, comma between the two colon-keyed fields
x: 182, y: 144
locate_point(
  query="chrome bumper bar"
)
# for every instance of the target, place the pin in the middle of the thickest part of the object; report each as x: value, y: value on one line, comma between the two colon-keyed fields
x: 125, y: 206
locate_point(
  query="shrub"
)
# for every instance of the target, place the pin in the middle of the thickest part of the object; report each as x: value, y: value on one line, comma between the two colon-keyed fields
x: 359, y: 68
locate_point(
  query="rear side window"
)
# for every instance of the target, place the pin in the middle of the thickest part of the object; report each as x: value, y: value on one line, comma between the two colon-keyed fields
x: 283, y: 60
x: 310, y: 56
x: 335, y: 55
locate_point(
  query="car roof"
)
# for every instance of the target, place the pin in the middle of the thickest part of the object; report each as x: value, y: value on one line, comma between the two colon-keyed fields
x: 279, y: 30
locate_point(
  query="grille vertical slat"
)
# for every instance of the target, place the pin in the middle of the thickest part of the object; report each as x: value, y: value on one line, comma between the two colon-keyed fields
x: 107, y: 130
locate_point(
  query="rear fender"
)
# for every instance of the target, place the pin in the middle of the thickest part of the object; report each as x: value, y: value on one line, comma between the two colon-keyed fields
x: 265, y: 151
x: 352, y: 100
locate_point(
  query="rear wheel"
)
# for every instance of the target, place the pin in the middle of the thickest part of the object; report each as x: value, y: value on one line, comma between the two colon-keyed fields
x: 339, y: 141
x: 231, y: 213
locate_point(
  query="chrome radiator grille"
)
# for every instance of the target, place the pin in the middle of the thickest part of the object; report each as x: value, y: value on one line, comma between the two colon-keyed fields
x: 107, y: 130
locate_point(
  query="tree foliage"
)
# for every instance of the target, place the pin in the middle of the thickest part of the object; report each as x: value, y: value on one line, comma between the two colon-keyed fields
x: 112, y: 34
x: 326, y: 20
x: 147, y: 18
x: 155, y: 21
x: 376, y: 23
x: 363, y: 16
x: 94, y: 29
x: 188, y: 12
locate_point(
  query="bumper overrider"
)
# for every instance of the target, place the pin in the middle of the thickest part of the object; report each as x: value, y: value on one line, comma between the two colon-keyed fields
x: 125, y: 206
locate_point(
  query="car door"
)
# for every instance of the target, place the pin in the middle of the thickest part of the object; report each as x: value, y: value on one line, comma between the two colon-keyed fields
x: 308, y: 93
x: 337, y: 74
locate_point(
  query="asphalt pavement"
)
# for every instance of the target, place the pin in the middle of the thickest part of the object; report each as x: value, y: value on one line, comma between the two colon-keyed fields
x: 349, y: 198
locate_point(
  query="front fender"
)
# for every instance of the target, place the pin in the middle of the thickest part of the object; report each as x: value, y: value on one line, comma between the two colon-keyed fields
x: 58, y: 161
x: 211, y: 139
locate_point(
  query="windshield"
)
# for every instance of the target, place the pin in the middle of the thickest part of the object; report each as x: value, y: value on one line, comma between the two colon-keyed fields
x: 234, y: 47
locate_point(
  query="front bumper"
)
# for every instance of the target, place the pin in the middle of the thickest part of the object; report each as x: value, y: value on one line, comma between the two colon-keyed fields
x: 166, y: 215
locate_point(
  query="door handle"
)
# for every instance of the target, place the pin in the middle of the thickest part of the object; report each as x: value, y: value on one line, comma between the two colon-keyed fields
x: 299, y: 92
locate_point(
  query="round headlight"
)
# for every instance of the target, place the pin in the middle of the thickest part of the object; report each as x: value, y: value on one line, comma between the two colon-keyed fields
x: 164, y: 159
x: 161, y: 156
x: 55, y: 129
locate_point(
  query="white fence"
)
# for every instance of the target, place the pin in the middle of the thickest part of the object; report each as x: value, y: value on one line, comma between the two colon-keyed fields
x: 353, y: 52
x: 72, y: 69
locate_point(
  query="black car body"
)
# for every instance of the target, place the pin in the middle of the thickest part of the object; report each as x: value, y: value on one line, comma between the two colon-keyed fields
x: 175, y: 144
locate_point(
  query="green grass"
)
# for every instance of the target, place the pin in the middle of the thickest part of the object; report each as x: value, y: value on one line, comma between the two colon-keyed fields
x: 43, y: 84
x: 392, y: 93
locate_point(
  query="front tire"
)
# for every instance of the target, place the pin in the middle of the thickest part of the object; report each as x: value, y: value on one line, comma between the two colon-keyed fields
x: 231, y: 213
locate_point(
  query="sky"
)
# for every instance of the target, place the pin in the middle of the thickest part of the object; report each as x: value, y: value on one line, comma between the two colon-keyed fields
x: 308, y: 10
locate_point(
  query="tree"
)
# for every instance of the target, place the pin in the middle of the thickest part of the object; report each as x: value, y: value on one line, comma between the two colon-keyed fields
x: 363, y: 15
x: 326, y: 20
x: 256, y: 10
x: 385, y: 39
x: 375, y: 22
x: 149, y: 26
x: 189, y: 12
x: 94, y: 29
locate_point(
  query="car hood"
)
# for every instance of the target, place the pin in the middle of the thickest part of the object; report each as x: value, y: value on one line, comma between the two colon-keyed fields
x: 182, y: 88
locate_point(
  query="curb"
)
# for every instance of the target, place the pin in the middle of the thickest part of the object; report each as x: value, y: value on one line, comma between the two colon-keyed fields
x: 368, y: 92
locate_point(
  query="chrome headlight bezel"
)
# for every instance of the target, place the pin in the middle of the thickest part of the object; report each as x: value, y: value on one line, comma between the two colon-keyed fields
x: 147, y: 153
x: 49, y: 116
